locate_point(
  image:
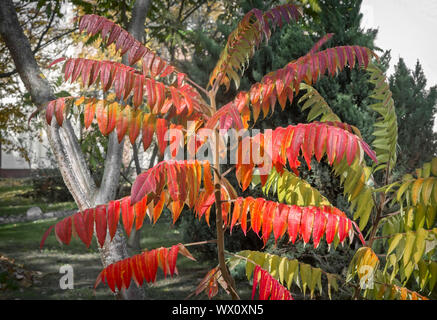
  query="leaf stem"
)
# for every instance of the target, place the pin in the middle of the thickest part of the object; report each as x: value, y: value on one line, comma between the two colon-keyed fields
x: 218, y: 207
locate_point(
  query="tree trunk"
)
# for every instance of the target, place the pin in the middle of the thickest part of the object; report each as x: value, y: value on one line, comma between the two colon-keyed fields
x: 63, y: 140
x: 136, y: 29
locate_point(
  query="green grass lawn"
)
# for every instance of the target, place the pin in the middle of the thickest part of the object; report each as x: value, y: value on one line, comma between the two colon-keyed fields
x: 21, y: 242
x: 16, y: 198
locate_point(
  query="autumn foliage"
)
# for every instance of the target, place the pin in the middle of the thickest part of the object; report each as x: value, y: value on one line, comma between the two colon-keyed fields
x: 153, y: 97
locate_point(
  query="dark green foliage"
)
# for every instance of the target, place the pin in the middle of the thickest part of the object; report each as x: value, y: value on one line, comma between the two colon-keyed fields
x: 415, y: 109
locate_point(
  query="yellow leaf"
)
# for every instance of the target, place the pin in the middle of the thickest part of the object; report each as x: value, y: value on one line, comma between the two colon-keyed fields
x: 409, y: 244
x: 394, y: 242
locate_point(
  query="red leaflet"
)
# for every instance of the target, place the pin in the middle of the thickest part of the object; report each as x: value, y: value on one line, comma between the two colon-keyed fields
x: 140, y: 212
x: 113, y: 112
x: 59, y: 110
x: 135, y: 125
x: 331, y: 145
x: 207, y: 178
x: 148, y: 128
x: 88, y: 219
x: 127, y: 214
x: 78, y: 65
x: 296, y: 143
x: 350, y: 56
x: 157, y: 210
x: 157, y: 66
x: 314, y: 67
x: 322, y: 133
x: 105, y: 75
x: 113, y: 217
x: 63, y: 230
x: 172, y: 169
x: 332, y: 66
x: 320, y: 43
x: 161, y: 129
x: 319, y: 226
x: 176, y: 209
x: 126, y: 273
x: 236, y: 213
x: 95, y: 72
x: 160, y: 97
x: 150, y: 90
x: 308, y: 145
x: 145, y: 262
x: 138, y: 90
x: 256, y: 214
x: 209, y: 283
x: 117, y: 275
x: 331, y: 227
x: 86, y: 72
x: 368, y: 151
x: 135, y: 263
x: 247, y: 205
x: 342, y: 225
x: 168, y: 70
x: 102, y: 117
x: 294, y: 224
x: 306, y: 224
x: 265, y: 285
x: 172, y: 256
x: 90, y: 109
x: 141, y: 267
x: 268, y: 214
x: 341, y: 57
x: 269, y: 287
x: 280, y: 221
x: 119, y: 83
x: 351, y: 149
x: 162, y: 255
x: 267, y: 92
x: 55, y: 62
x: 152, y: 258
x: 341, y: 146
x: 122, y: 123
x: 109, y: 274
x: 68, y: 69
x: 115, y: 32
x: 49, y: 111
x: 79, y: 227
x: 101, y: 226
x: 129, y: 84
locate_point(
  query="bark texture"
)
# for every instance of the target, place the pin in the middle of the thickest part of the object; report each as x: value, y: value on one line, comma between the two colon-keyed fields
x: 63, y: 141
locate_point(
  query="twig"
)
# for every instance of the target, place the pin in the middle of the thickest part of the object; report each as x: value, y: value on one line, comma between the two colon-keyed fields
x: 200, y: 243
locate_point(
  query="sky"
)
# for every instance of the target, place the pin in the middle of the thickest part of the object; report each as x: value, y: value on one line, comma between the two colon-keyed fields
x: 409, y: 29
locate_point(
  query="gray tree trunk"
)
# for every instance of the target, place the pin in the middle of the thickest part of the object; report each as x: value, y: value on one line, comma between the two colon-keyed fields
x: 63, y: 141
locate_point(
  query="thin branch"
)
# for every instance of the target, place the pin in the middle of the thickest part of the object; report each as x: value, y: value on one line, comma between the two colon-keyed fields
x: 200, y: 243
x: 189, y: 13
x: 52, y: 18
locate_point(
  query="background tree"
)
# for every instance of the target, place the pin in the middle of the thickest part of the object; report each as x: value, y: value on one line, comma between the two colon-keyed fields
x: 63, y: 140
x: 48, y: 37
x: 416, y: 107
